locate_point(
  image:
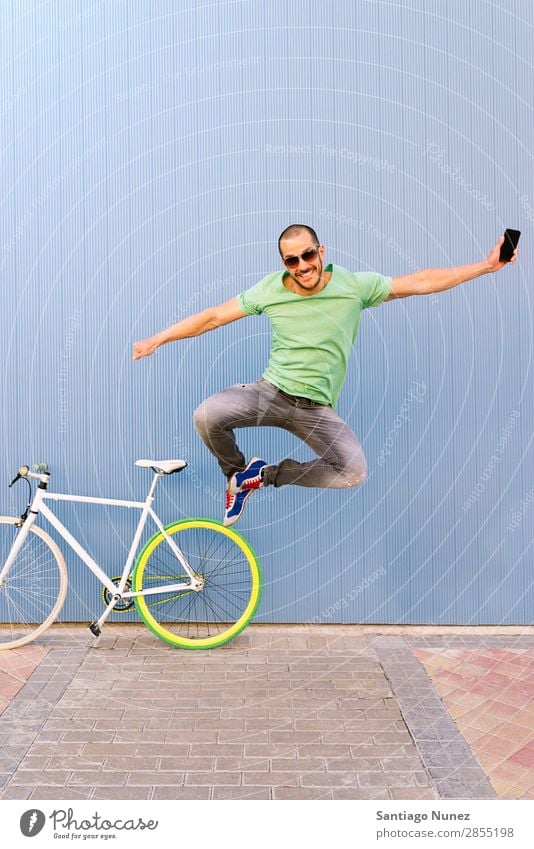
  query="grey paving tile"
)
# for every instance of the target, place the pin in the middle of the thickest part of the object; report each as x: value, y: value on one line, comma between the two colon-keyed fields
x: 302, y: 793
x: 68, y: 792
x: 383, y: 779
x: 229, y: 764
x: 97, y: 778
x: 356, y: 764
x: 122, y: 792
x: 300, y: 765
x: 323, y: 750
x: 329, y: 779
x: 413, y: 793
x: 17, y: 792
x: 170, y: 778
x: 199, y: 779
x: 461, y: 790
x: 241, y: 793
x: 202, y: 750
x: 180, y: 792
x: 58, y: 778
x: 162, y: 750
x: 132, y: 763
x: 361, y: 793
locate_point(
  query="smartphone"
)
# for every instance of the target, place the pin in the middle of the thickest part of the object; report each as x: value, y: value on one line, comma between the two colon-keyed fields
x: 511, y: 238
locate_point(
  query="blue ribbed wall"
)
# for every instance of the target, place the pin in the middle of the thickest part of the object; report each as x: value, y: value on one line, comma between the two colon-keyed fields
x: 151, y: 154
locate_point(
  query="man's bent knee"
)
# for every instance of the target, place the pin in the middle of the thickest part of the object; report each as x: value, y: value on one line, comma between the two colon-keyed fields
x: 355, y: 475
x: 205, y: 417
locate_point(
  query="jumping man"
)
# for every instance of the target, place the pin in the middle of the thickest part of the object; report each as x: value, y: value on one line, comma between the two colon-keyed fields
x: 315, y: 312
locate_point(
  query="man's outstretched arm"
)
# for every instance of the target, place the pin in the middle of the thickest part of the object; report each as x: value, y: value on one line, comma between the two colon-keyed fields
x: 432, y: 280
x: 194, y: 325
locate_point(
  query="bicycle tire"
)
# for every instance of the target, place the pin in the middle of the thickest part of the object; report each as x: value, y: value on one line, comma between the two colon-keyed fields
x: 227, y: 602
x: 33, y: 593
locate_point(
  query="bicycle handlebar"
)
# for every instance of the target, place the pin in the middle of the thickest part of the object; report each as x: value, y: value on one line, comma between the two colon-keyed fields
x: 35, y: 473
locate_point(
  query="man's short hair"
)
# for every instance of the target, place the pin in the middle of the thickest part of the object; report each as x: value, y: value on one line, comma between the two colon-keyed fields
x: 294, y: 230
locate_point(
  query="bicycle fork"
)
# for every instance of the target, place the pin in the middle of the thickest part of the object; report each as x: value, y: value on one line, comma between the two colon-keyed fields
x: 27, y: 519
x: 20, y: 539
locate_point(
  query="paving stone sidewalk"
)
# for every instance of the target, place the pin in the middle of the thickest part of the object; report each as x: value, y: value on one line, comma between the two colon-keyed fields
x: 279, y: 713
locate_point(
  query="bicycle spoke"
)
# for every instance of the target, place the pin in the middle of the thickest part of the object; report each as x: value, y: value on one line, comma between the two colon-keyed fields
x: 222, y: 606
x: 34, y: 587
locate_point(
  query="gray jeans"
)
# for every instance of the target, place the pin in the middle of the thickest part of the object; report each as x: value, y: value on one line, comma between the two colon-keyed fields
x: 340, y: 464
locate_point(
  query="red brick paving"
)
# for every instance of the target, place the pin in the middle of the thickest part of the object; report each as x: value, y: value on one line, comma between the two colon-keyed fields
x: 16, y: 666
x: 525, y: 756
x: 490, y: 695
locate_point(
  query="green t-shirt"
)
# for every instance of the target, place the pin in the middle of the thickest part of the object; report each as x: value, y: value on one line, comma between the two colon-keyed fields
x: 313, y: 334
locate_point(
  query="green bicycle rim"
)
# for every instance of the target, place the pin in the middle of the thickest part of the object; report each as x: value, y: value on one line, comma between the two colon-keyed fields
x: 201, y: 642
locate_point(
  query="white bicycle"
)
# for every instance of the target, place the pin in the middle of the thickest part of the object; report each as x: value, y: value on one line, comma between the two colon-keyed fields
x: 196, y: 583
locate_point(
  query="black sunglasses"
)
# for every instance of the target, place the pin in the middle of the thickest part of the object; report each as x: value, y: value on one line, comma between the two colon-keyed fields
x: 308, y: 256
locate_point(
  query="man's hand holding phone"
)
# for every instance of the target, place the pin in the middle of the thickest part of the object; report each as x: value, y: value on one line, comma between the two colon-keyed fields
x: 504, y: 252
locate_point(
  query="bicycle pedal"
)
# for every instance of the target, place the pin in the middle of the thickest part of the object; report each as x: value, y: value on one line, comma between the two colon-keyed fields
x: 93, y: 627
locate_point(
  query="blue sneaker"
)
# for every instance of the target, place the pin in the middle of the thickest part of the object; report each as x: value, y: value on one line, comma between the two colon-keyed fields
x: 235, y: 504
x: 240, y: 487
x: 250, y: 478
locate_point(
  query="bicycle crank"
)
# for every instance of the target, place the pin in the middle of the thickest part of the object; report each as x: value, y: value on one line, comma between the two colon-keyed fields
x: 123, y: 604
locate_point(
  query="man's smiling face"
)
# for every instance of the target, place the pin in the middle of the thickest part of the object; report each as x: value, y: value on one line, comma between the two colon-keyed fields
x: 306, y: 274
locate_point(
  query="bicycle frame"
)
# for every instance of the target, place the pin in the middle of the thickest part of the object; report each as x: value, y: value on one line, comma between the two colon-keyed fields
x: 38, y: 506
